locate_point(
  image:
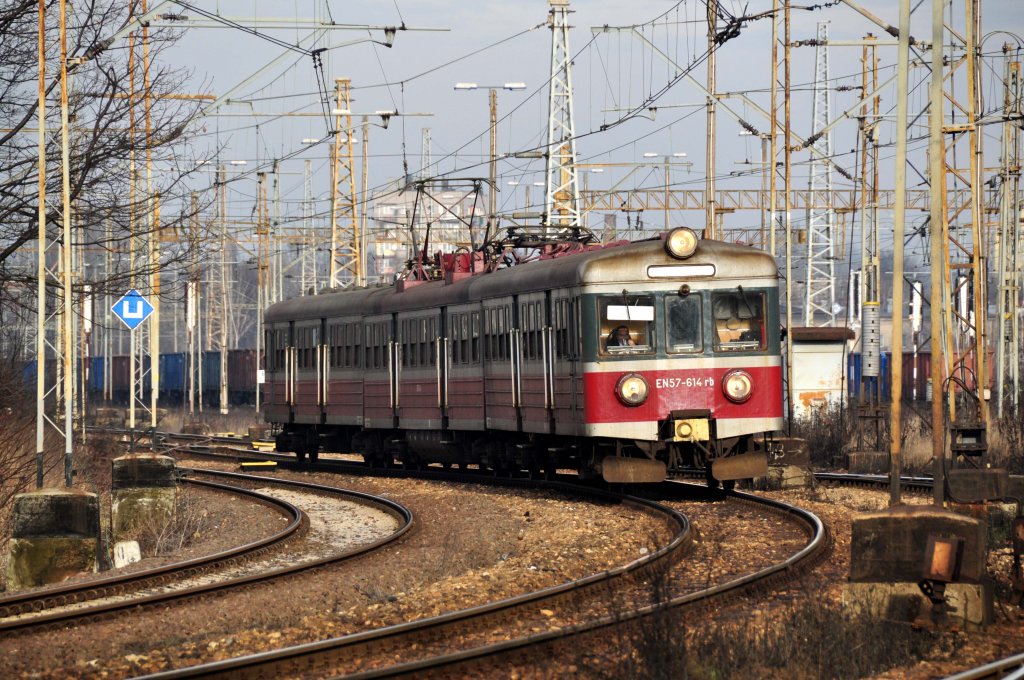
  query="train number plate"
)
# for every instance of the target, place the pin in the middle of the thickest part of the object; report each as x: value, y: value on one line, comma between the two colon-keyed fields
x: 677, y: 383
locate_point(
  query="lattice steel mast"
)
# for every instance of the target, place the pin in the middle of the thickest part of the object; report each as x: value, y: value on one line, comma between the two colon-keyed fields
x: 346, y: 262
x: 820, y: 296
x: 561, y: 194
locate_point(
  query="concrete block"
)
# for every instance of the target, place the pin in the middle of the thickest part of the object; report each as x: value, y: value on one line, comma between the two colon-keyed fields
x: 868, y: 462
x: 794, y: 451
x: 143, y: 470
x: 125, y: 553
x: 969, y: 605
x: 785, y: 477
x: 55, y: 535
x: 977, y: 486
x: 134, y: 508
x: 997, y: 519
x: 195, y: 427
x: 55, y: 512
x: 257, y: 432
x: 889, y: 545
x: 1015, y: 486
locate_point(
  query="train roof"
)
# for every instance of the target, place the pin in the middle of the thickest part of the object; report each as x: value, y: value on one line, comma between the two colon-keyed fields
x: 618, y: 264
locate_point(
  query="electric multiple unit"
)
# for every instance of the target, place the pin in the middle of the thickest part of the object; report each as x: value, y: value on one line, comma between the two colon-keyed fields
x: 623, y: 361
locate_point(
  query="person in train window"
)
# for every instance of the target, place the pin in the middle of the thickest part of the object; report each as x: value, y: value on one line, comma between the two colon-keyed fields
x: 619, y: 338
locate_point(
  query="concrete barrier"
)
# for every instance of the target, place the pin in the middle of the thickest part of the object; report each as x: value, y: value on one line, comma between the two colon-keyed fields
x: 55, y: 535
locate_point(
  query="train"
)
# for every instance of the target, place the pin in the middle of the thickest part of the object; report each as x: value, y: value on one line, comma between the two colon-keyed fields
x: 621, y: 361
x: 174, y: 384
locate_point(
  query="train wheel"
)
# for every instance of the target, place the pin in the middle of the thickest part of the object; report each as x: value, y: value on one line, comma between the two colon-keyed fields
x: 710, y: 478
x: 300, y: 453
x: 729, y: 484
x: 314, y: 454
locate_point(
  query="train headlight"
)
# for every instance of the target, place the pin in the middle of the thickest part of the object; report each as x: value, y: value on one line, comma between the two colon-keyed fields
x: 681, y: 242
x: 632, y: 389
x: 738, y: 386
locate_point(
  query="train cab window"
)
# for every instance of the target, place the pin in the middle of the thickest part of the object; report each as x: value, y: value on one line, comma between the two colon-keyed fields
x: 738, y: 321
x: 683, y: 323
x: 627, y: 324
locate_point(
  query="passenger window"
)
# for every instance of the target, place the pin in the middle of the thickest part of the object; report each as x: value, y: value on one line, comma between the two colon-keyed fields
x: 627, y: 324
x: 739, y: 321
x: 683, y: 324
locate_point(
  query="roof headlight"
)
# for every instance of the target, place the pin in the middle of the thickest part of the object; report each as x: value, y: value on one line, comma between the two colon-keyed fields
x: 681, y: 242
x: 632, y: 389
x: 738, y: 386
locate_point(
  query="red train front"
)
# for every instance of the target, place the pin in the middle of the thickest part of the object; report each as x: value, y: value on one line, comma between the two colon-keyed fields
x: 621, y: 361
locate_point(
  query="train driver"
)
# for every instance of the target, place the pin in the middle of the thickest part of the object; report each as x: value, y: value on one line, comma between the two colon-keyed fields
x: 619, y: 337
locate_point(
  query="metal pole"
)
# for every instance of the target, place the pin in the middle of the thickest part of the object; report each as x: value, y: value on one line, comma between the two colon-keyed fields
x: 225, y: 293
x: 67, y: 344
x: 41, y: 238
x: 492, y: 203
x: 936, y: 171
x: 773, y: 124
x: 899, y: 213
x: 710, y: 226
x: 789, y: 224
x: 153, y: 203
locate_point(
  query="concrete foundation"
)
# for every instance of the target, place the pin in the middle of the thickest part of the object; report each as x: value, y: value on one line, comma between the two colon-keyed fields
x: 997, y: 518
x: 889, y: 545
x: 55, y: 535
x: 143, y: 491
x: 794, y: 451
x: 1015, y: 486
x: 967, y: 604
x: 888, y: 558
x: 785, y: 477
x: 868, y: 462
x: 195, y: 427
x: 978, y: 486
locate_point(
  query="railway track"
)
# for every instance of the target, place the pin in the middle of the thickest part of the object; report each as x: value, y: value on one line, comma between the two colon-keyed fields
x: 483, y: 636
x: 241, y: 566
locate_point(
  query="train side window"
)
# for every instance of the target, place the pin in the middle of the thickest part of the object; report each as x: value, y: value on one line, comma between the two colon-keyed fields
x: 738, y: 321
x: 683, y: 324
x: 474, y: 337
x: 627, y: 324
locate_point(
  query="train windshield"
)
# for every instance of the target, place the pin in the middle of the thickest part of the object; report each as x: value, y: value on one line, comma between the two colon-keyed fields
x: 627, y: 324
x: 684, y: 323
x: 738, y: 321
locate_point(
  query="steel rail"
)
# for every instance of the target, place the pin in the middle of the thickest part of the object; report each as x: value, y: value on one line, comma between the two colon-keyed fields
x: 1010, y: 668
x: 302, y: 658
x: 391, y: 507
x: 37, y: 600
x: 801, y: 559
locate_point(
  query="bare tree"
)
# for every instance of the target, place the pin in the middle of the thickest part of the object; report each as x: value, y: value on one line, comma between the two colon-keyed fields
x: 109, y: 125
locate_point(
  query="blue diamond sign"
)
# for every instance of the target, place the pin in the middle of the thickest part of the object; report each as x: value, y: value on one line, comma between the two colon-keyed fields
x: 132, y: 309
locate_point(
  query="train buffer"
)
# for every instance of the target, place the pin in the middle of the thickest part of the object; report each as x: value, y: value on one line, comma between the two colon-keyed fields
x: 258, y: 465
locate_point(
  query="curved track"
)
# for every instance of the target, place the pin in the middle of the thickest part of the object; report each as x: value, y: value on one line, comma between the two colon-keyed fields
x: 53, y: 606
x: 482, y: 636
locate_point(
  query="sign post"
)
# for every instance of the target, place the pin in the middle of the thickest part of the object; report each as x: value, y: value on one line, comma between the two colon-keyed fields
x: 132, y: 309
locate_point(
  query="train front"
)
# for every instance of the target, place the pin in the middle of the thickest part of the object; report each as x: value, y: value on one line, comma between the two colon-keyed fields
x: 682, y: 359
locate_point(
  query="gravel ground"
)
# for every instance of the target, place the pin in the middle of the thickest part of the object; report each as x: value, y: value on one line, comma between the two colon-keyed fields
x: 468, y: 546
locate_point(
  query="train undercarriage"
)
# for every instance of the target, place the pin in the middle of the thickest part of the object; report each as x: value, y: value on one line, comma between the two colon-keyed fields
x: 614, y: 460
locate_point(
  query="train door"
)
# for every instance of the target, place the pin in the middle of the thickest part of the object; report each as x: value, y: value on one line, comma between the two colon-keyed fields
x: 343, y: 379
x: 501, y: 365
x: 381, y: 366
x: 536, y: 363
x: 279, y: 385
x: 567, y: 371
x: 421, y: 378
x: 464, y: 388
x: 307, y: 380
